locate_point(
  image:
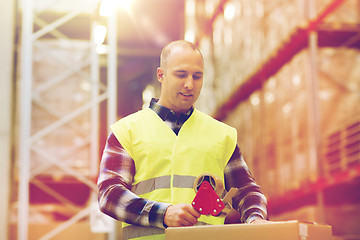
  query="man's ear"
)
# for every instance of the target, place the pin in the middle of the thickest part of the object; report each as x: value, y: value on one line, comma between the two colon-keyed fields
x: 160, y: 74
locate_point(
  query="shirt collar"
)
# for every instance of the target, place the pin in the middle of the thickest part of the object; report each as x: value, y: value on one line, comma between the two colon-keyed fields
x: 167, y: 114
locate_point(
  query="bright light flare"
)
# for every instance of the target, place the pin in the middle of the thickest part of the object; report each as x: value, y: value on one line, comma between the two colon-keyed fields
x: 123, y: 4
x: 148, y: 94
x: 296, y: 80
x: 229, y: 12
x: 269, y: 97
x: 190, y: 35
x: 100, y: 34
x: 107, y: 6
x: 255, y: 100
x: 287, y: 108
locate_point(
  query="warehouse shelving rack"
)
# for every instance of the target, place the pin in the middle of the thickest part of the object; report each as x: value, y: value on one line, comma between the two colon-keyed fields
x: 59, y: 140
x: 337, y: 153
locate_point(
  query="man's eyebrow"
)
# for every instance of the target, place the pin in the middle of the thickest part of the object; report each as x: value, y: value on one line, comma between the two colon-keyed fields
x: 183, y: 71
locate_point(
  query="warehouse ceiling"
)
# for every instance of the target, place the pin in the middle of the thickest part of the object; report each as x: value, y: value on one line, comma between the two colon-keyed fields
x: 144, y: 24
x: 143, y: 29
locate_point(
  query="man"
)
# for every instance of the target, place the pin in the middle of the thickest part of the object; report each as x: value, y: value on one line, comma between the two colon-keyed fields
x: 152, y: 157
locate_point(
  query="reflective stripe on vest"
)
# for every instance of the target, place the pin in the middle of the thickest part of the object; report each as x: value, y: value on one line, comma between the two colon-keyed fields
x: 167, y: 164
x: 163, y: 182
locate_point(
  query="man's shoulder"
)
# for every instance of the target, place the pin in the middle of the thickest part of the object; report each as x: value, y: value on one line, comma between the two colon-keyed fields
x: 135, y: 115
x: 130, y: 119
x: 212, y: 120
x: 217, y: 127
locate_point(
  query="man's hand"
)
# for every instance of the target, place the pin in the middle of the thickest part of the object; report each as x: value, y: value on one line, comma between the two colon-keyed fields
x: 181, y: 214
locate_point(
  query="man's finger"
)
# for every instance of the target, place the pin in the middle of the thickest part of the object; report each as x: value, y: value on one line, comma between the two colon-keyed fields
x: 194, y: 212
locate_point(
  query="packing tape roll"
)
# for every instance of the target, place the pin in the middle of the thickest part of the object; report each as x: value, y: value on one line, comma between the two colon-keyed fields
x: 216, y: 183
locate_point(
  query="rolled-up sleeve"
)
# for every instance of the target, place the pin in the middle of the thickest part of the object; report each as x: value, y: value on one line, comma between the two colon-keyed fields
x: 250, y: 202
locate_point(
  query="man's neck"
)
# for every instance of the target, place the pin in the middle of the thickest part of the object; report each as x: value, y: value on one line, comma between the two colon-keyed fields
x: 177, y: 112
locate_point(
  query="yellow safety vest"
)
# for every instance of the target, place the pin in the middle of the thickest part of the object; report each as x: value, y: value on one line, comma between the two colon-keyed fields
x: 167, y: 164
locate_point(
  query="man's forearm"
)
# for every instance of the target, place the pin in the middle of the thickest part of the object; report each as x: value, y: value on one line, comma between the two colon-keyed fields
x: 117, y: 169
x: 250, y: 202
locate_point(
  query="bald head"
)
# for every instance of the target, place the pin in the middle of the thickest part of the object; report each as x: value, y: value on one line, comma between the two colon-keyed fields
x: 181, y: 75
x: 167, y: 50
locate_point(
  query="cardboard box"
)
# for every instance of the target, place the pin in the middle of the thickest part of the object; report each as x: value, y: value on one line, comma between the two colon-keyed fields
x: 77, y: 231
x: 287, y: 230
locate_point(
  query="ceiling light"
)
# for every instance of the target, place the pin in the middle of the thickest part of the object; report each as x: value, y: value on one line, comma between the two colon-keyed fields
x: 100, y: 34
x: 255, y: 100
x: 107, y: 6
x: 229, y: 12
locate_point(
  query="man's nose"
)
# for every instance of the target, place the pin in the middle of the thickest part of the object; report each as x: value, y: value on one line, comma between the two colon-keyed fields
x: 189, y: 83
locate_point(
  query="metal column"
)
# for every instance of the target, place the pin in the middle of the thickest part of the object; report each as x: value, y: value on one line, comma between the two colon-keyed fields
x: 112, y: 87
x: 112, y: 68
x: 7, y: 15
x: 25, y: 115
x: 314, y: 160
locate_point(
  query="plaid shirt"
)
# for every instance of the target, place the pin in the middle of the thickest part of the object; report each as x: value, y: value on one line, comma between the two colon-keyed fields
x: 117, y: 170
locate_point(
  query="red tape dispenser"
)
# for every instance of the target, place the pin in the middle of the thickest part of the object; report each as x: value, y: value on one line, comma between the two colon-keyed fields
x: 207, y: 200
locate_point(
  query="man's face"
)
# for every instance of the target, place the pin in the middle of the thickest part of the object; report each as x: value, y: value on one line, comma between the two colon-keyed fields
x: 182, y: 80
